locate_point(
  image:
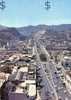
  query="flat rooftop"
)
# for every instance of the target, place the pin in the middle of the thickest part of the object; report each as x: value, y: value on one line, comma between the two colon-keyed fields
x: 27, y: 87
x: 23, y: 69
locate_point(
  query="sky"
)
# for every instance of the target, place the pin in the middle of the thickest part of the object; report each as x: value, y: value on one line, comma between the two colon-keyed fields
x: 19, y: 13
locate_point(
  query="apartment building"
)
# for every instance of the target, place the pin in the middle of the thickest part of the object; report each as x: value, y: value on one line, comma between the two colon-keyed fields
x: 21, y: 85
x: 68, y: 81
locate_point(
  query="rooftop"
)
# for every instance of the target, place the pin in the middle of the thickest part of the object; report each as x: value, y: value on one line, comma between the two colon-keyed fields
x: 69, y: 73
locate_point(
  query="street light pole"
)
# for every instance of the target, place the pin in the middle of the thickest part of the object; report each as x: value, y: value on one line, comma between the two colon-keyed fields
x: 2, y: 4
x: 47, y: 4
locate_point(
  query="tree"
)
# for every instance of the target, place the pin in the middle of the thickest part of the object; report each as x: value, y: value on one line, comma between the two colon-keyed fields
x: 43, y: 57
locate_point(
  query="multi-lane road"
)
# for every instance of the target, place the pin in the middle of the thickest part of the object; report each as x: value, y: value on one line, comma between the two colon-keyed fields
x: 51, y: 78
x: 47, y: 90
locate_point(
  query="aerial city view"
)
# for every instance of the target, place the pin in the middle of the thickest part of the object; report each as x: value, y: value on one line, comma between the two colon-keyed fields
x: 35, y: 50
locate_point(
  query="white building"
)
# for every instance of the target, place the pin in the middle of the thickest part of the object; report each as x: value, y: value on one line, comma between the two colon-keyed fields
x: 68, y: 81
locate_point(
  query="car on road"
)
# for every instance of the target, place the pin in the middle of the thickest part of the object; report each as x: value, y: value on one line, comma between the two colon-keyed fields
x: 55, y: 72
x: 64, y: 85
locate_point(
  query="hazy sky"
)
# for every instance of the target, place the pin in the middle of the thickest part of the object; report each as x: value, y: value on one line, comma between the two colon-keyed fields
x: 32, y: 12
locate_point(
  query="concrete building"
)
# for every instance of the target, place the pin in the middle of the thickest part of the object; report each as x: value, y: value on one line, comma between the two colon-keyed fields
x: 21, y: 85
x: 17, y: 96
x: 68, y: 81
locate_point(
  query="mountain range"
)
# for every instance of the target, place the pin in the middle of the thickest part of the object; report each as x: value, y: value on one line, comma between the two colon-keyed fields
x: 28, y: 30
x: 22, y: 32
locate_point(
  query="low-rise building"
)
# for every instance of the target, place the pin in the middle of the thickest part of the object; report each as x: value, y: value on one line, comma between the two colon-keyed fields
x: 22, y: 84
x: 3, y: 78
x: 68, y: 81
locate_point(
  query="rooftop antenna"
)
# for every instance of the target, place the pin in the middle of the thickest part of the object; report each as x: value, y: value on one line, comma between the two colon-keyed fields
x: 2, y: 4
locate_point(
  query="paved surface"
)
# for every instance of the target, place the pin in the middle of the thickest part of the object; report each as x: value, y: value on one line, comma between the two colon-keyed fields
x: 57, y: 81
x: 52, y: 81
x: 48, y: 90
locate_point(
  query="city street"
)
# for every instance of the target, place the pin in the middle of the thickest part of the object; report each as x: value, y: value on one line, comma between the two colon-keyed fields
x: 51, y: 82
